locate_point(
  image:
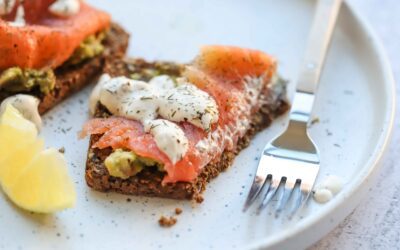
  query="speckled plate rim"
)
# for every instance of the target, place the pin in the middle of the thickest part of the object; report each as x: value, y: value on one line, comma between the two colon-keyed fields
x: 312, y: 228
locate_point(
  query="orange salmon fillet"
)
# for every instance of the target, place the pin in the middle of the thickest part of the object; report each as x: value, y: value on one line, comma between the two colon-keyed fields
x: 47, y: 41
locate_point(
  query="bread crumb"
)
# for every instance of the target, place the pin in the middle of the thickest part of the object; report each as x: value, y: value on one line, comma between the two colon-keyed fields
x: 199, y: 198
x: 315, y: 120
x: 178, y: 211
x: 167, y: 222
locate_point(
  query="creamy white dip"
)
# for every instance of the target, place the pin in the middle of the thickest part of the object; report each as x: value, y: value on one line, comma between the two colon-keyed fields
x: 19, y: 20
x: 65, y: 8
x: 169, y: 138
x: 328, y: 188
x: 157, y: 104
x: 6, y: 6
x: 27, y: 105
x: 322, y: 195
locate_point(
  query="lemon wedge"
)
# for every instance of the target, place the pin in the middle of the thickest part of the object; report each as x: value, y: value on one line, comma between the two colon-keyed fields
x: 44, y: 186
x: 33, y: 178
x: 15, y: 131
x: 15, y: 163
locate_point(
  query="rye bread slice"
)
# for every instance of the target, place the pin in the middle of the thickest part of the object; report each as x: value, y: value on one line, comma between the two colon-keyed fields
x: 148, y: 182
x: 70, y: 79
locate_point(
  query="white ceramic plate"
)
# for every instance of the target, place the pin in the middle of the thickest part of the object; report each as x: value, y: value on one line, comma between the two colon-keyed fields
x: 355, y: 107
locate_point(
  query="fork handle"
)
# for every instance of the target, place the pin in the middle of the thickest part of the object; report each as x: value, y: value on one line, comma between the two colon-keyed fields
x: 320, y: 36
x: 317, y: 46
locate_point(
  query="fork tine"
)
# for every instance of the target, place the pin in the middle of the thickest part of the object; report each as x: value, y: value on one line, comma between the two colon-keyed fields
x: 255, y: 189
x: 303, y: 192
x: 272, y: 189
x: 266, y: 199
x: 258, y: 182
x: 284, y: 198
x: 297, y: 194
x: 293, y: 153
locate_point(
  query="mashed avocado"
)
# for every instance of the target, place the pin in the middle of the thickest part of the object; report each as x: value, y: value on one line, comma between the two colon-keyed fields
x: 124, y: 164
x: 89, y: 48
x: 16, y: 79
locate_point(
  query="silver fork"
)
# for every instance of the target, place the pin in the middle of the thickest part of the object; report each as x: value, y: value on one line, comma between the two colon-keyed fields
x: 290, y: 163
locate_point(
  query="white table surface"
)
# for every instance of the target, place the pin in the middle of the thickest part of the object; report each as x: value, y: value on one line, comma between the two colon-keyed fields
x: 375, y: 223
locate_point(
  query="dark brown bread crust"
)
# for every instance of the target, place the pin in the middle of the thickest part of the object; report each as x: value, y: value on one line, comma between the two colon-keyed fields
x: 70, y: 79
x: 148, y: 182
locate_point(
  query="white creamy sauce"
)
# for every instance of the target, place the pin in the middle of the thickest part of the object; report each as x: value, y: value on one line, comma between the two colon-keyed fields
x: 332, y: 183
x: 188, y: 103
x: 328, y: 188
x: 19, y: 20
x: 65, y: 8
x: 169, y: 138
x: 322, y: 195
x: 162, y: 82
x: 27, y: 105
x: 160, y: 97
x: 141, y: 101
x: 95, y: 95
x: 129, y: 98
x: 6, y: 6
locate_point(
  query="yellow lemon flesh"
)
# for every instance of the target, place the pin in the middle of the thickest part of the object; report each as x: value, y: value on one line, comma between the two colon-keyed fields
x: 33, y: 178
x: 15, y: 163
x: 15, y: 131
x: 44, y: 186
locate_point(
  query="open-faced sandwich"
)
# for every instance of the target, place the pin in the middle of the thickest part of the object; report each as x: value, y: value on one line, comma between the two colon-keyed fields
x: 52, y: 48
x: 164, y: 129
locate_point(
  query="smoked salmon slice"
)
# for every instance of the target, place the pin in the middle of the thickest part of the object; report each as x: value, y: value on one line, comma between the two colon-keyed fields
x: 119, y: 132
x: 234, y: 77
x: 46, y: 41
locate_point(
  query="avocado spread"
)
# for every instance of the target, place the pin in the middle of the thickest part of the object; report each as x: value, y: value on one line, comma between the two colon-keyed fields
x: 89, y: 48
x: 124, y: 164
x: 16, y: 79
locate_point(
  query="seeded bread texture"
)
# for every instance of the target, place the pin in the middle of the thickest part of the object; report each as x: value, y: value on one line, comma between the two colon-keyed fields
x: 148, y: 181
x: 70, y: 79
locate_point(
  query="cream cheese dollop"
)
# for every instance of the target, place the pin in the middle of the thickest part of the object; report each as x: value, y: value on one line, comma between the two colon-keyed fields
x: 169, y: 138
x: 162, y: 82
x: 188, y: 103
x: 95, y: 95
x: 129, y: 98
x: 322, y: 195
x: 328, y: 188
x: 6, y: 6
x: 65, y: 8
x: 27, y: 105
x: 161, y: 97
x: 140, y: 100
x: 19, y: 20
